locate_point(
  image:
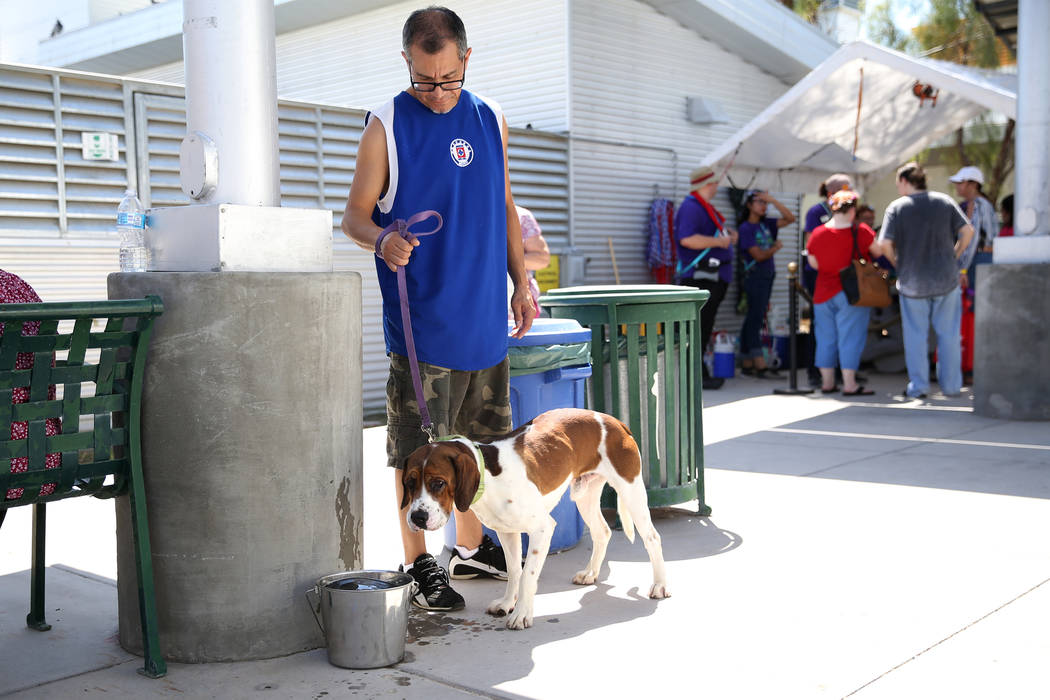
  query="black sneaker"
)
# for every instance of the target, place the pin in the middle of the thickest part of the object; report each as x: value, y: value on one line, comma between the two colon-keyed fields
x: 434, y: 593
x: 488, y: 561
x: 713, y: 383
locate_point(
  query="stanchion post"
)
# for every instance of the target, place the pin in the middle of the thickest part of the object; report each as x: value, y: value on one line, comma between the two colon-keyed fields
x: 792, y: 333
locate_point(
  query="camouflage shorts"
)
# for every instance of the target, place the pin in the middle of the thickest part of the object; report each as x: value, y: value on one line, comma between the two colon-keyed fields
x: 475, y: 404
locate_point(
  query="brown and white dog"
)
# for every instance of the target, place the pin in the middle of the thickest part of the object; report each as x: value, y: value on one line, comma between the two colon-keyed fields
x: 521, y: 478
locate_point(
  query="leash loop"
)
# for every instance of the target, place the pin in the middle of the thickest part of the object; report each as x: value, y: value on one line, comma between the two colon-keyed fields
x: 401, y: 227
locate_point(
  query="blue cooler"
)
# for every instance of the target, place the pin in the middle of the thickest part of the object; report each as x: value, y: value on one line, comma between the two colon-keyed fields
x: 549, y: 369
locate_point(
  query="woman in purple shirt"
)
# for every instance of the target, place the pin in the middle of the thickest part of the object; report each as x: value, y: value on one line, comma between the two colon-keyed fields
x: 705, y: 253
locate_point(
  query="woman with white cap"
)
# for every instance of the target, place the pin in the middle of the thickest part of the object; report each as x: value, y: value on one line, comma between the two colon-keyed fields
x: 705, y: 255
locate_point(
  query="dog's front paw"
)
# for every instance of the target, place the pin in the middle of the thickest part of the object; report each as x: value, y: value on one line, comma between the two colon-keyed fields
x: 585, y: 577
x: 659, y: 590
x: 500, y: 607
x: 520, y: 619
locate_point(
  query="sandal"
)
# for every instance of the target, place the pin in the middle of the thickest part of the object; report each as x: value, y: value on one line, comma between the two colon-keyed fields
x: 860, y: 391
x: 832, y: 390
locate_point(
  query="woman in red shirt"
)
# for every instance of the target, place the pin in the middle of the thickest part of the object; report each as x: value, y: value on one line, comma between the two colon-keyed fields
x: 841, y: 329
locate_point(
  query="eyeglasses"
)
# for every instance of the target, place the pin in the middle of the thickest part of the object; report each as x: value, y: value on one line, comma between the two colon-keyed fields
x: 446, y: 85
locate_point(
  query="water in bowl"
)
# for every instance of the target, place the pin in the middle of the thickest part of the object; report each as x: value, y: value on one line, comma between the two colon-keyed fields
x: 360, y: 584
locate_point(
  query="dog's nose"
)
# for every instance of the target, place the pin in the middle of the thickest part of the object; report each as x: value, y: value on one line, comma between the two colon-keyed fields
x: 419, y: 519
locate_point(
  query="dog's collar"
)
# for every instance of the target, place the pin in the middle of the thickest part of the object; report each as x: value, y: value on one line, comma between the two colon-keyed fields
x: 478, y: 457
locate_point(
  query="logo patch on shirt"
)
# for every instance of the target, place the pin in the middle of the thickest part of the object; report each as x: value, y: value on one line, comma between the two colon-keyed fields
x: 462, y: 152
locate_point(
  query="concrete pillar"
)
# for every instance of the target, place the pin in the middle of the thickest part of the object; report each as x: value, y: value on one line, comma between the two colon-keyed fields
x: 1012, y: 317
x: 1032, y: 198
x: 1011, y: 374
x: 252, y: 451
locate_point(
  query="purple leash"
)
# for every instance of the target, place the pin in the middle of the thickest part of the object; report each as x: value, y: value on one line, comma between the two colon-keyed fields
x: 401, y: 227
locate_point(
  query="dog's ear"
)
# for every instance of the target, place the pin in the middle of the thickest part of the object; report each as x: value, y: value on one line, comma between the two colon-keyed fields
x: 407, y: 470
x: 468, y: 478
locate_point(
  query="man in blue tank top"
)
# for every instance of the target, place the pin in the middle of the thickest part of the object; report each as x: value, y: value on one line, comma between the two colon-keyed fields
x: 438, y: 146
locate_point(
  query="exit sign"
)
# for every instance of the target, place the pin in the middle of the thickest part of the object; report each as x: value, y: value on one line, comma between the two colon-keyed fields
x: 99, y: 146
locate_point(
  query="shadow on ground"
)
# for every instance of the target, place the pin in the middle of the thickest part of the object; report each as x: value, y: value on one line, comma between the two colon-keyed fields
x: 923, y: 445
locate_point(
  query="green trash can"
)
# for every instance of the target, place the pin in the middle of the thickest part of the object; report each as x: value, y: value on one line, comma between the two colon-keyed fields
x: 652, y: 380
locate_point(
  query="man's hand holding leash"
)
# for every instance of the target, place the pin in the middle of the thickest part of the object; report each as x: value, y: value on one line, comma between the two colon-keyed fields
x: 395, y: 250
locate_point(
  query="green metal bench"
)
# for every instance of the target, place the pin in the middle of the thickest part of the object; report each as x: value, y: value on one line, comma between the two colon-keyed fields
x: 104, y: 460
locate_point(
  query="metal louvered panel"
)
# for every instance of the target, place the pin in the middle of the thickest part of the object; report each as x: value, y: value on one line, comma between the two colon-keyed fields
x: 61, y: 270
x: 160, y: 125
x: 47, y: 189
x: 539, y: 180
x: 93, y: 189
x: 29, y: 197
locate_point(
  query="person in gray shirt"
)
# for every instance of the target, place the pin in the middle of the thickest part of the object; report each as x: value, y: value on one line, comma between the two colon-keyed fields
x: 924, y: 234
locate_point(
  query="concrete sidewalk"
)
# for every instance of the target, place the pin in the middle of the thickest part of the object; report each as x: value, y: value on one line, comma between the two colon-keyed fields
x: 866, y: 548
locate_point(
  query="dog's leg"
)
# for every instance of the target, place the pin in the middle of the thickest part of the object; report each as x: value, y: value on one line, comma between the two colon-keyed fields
x: 588, y: 501
x: 539, y: 545
x: 637, y: 504
x: 511, y: 543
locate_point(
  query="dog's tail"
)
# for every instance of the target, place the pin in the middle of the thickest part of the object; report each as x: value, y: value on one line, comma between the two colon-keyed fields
x: 625, y: 519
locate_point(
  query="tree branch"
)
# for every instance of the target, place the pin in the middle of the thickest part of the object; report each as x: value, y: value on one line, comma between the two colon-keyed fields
x: 1002, y: 164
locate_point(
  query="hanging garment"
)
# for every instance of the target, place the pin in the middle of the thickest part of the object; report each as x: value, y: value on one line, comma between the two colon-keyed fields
x: 661, y: 255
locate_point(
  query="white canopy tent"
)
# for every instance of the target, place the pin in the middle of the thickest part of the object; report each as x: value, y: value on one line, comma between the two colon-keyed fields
x: 816, y: 128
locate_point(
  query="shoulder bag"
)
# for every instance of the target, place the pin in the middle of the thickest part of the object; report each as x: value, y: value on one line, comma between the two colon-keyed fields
x: 864, y: 283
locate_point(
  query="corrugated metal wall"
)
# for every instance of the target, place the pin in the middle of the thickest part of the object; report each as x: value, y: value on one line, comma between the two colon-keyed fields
x: 56, y: 210
x: 632, y: 70
x: 520, y: 51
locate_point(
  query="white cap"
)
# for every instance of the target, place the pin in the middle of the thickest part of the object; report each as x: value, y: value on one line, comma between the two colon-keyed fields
x: 968, y: 172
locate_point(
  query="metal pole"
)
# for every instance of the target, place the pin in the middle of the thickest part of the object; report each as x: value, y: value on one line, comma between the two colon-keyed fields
x: 230, y: 154
x: 792, y: 332
x: 1032, y: 180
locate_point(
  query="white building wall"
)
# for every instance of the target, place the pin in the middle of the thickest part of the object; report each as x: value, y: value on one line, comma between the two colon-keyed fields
x: 101, y: 10
x: 632, y: 70
x: 519, y: 59
x: 24, y: 25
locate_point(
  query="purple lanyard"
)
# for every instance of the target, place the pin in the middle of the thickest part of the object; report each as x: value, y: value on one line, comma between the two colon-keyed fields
x: 401, y: 227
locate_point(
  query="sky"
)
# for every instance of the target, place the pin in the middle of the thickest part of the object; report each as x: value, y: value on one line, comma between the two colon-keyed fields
x: 906, y: 13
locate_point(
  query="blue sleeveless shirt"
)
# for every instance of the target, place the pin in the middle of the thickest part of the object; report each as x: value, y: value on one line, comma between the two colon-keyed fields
x: 457, y: 278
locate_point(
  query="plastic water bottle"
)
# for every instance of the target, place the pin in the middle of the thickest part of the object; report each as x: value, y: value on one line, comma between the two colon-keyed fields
x: 131, y: 225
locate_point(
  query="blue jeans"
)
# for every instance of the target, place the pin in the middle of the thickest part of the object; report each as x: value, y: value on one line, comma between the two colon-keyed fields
x: 841, y: 331
x: 943, y: 313
x: 758, y: 289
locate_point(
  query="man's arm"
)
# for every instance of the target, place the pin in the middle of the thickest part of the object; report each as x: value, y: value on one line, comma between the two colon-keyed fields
x: 699, y: 242
x: 521, y: 301
x: 759, y: 255
x: 887, y: 234
x: 370, y: 178
x: 890, y: 251
x: 963, y: 242
x: 989, y: 224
